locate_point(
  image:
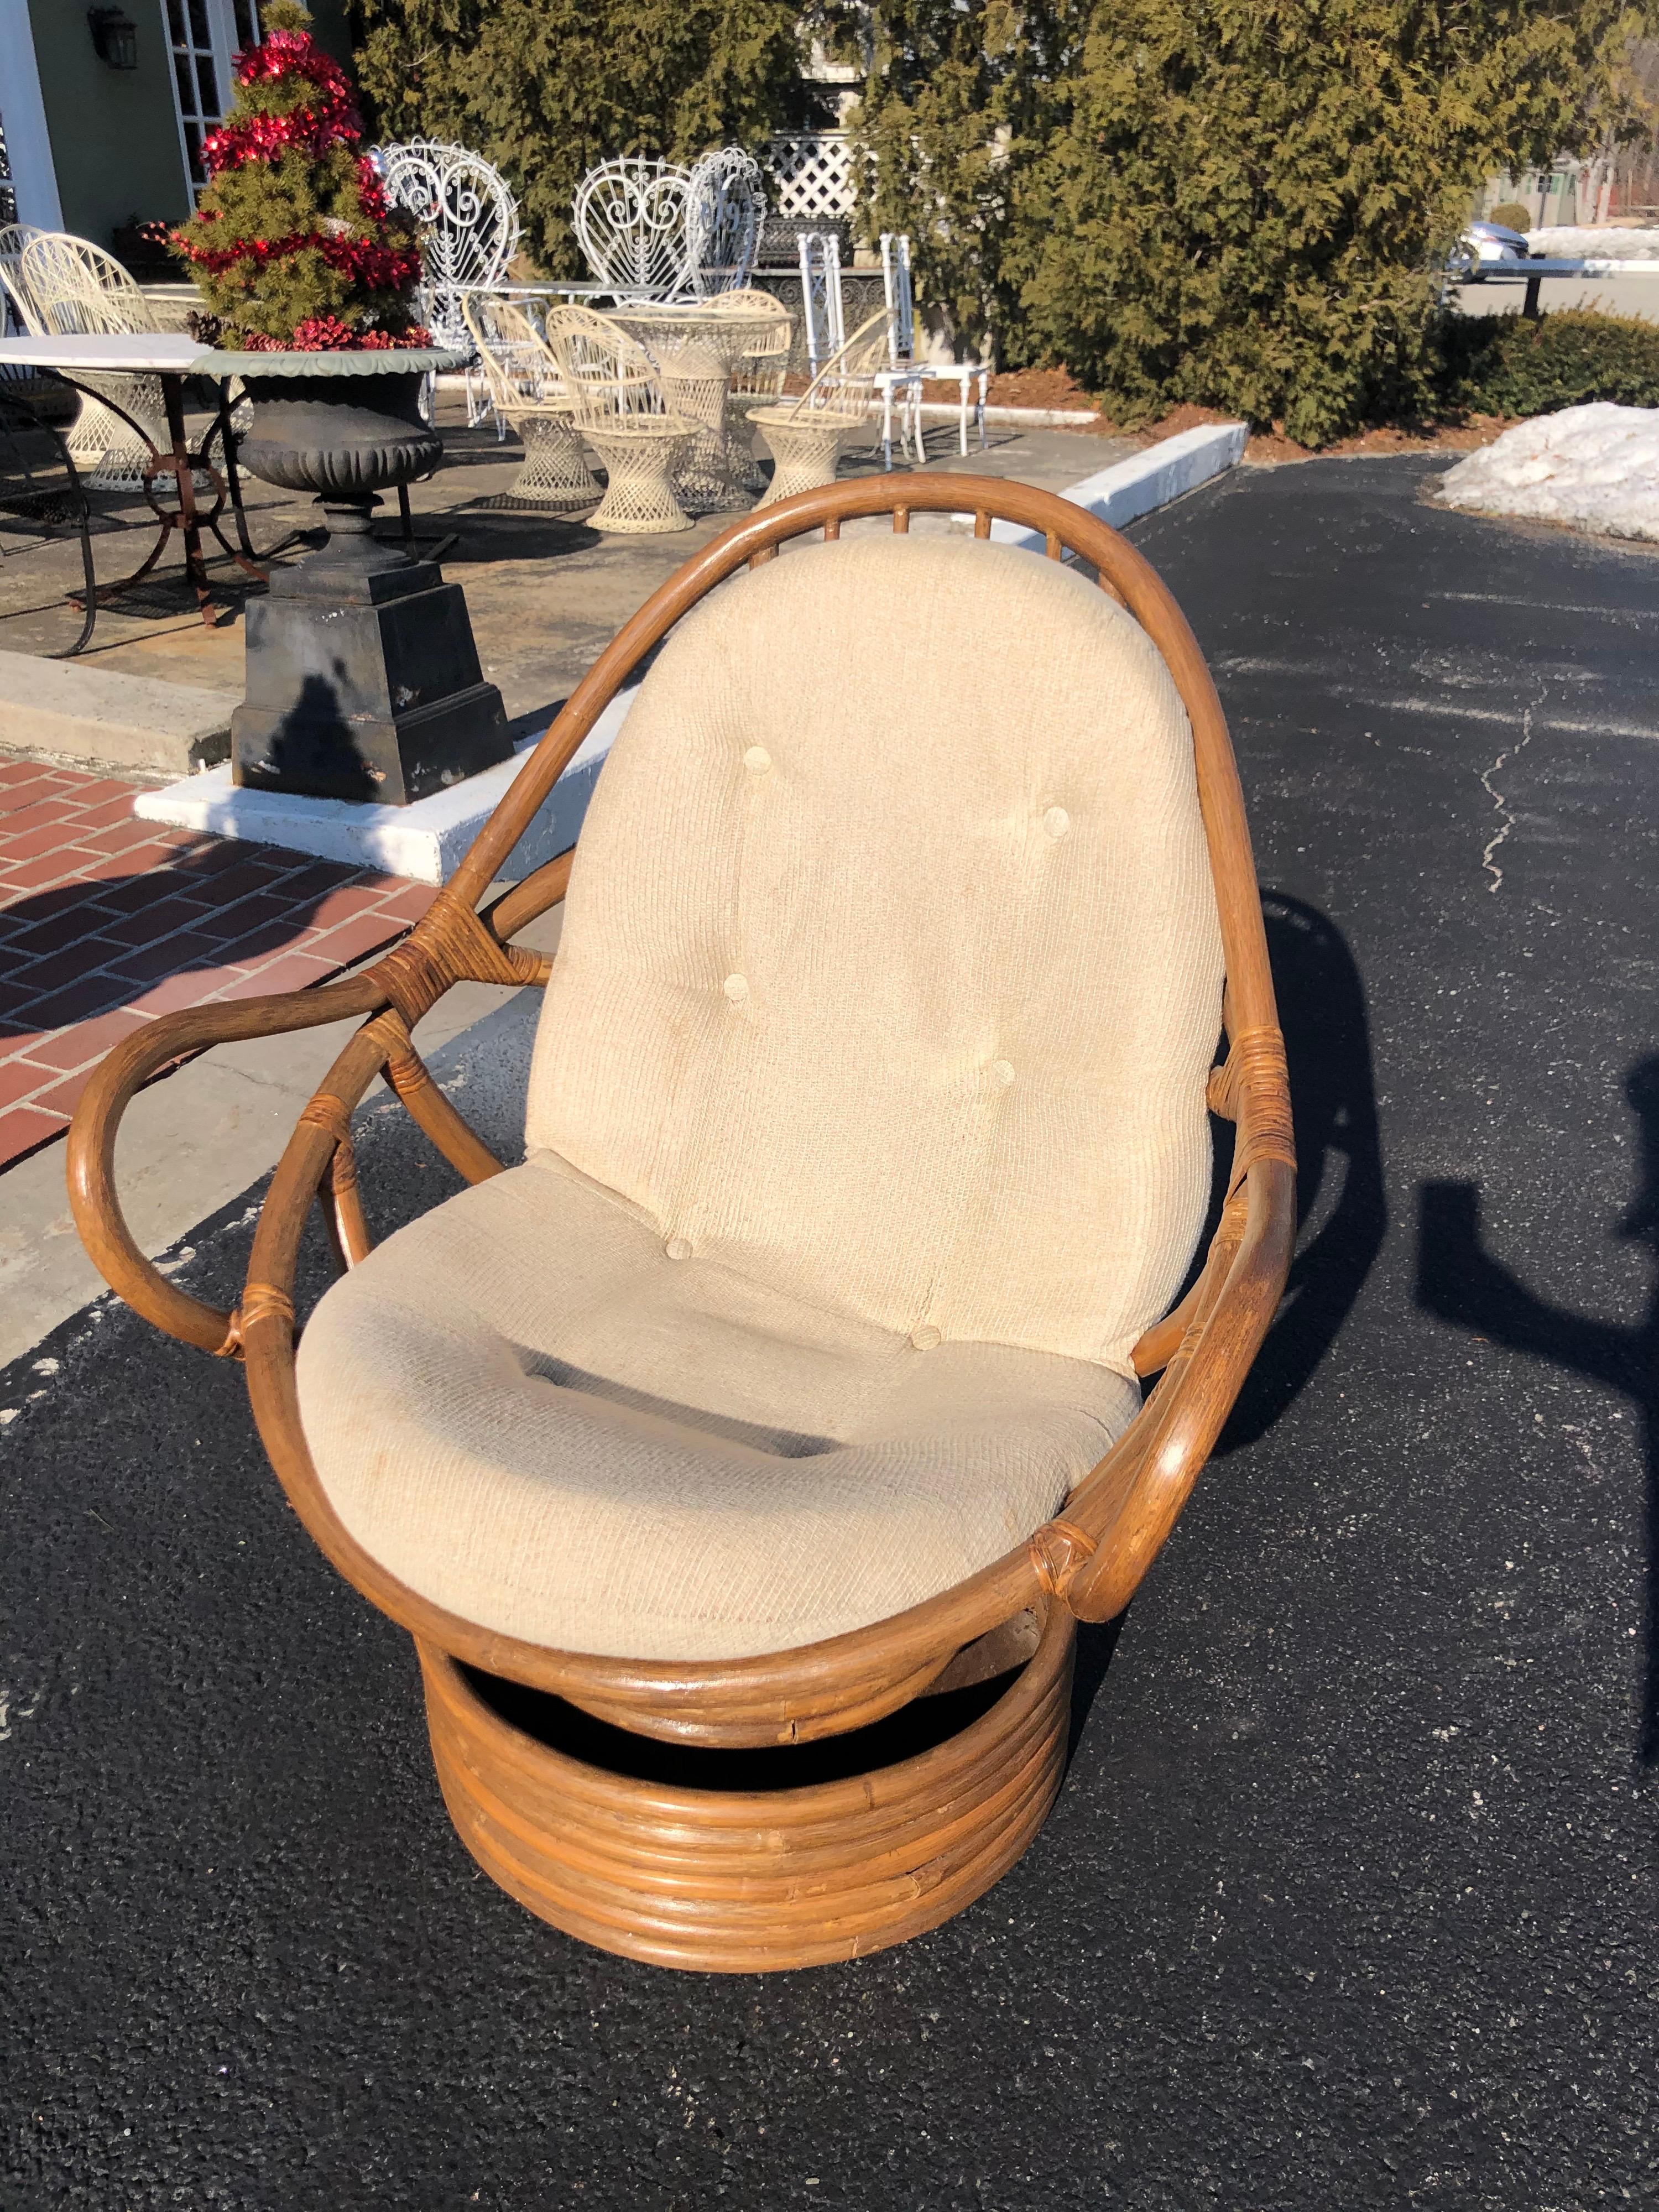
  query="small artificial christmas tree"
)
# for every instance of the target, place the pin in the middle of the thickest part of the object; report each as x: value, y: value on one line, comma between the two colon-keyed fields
x: 293, y: 246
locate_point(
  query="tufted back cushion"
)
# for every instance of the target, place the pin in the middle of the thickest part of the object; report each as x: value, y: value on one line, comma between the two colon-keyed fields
x: 891, y: 972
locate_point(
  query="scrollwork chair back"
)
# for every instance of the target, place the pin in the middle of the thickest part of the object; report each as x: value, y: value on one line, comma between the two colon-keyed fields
x: 468, y: 221
x: 631, y: 219
x: 726, y: 210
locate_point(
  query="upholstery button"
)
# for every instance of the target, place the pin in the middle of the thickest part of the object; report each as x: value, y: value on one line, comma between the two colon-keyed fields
x: 677, y: 1249
x: 1004, y: 1072
x: 1056, y: 820
x: 736, y: 989
x: 925, y: 1337
x: 757, y: 760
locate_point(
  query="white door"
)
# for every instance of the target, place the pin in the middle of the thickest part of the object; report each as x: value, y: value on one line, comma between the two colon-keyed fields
x: 203, y: 36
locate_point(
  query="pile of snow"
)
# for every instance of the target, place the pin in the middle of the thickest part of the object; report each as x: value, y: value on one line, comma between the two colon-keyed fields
x: 1565, y: 242
x: 1593, y: 468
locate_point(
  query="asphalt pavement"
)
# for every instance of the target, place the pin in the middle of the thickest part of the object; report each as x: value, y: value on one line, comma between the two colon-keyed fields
x: 1349, y: 1898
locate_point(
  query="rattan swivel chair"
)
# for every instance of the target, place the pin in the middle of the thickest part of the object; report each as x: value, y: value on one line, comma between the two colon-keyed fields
x: 791, y: 1383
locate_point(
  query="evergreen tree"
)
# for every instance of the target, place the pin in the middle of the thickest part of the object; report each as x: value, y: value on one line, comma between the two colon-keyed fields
x: 292, y: 244
x: 961, y: 98
x: 548, y: 89
x: 1251, y: 200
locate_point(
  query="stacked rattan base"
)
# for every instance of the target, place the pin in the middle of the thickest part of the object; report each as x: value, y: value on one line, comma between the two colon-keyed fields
x: 807, y: 447
x: 747, y: 1881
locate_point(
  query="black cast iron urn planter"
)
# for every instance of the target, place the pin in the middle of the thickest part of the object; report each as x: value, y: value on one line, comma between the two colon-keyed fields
x: 363, y: 680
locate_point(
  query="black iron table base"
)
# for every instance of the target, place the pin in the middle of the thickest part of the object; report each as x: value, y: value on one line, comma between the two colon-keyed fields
x: 187, y: 514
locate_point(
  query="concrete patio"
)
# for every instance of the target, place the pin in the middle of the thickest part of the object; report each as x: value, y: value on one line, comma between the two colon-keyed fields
x: 544, y: 594
x: 1348, y: 1899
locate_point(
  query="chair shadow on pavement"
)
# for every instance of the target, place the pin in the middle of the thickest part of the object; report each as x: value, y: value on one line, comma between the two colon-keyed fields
x: 1342, y: 1207
x: 1460, y: 1282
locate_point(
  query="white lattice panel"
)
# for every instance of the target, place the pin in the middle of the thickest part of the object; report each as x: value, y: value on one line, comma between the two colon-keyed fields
x: 814, y: 175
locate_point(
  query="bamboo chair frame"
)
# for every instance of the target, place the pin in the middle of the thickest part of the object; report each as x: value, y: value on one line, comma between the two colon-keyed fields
x: 703, y: 1878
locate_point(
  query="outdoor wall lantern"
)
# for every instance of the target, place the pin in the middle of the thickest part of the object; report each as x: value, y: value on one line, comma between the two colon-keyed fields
x: 115, y: 36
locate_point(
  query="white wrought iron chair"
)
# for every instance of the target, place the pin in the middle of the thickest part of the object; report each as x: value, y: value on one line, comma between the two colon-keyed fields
x: 726, y: 210
x: 823, y: 325
x: 468, y: 222
x: 808, y: 435
x: 630, y: 218
x: 618, y: 400
x: 67, y: 287
x: 758, y: 380
x: 904, y: 376
x: 527, y: 389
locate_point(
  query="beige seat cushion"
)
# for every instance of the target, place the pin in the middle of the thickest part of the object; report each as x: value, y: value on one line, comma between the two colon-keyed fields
x: 528, y: 1412
x: 868, y: 1129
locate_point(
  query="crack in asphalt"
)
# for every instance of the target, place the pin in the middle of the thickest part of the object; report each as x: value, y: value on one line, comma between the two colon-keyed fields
x: 1497, y: 797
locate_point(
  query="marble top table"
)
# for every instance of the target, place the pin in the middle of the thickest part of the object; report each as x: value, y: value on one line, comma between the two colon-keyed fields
x: 172, y: 356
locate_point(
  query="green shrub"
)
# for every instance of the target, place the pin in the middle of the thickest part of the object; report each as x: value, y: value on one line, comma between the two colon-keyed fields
x: 962, y: 99
x: 1253, y: 198
x: 547, y: 88
x: 1506, y: 365
x: 1240, y: 203
x: 1511, y: 216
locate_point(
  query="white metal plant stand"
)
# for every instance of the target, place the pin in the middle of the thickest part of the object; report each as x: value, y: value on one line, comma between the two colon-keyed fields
x: 725, y: 210
x: 468, y: 221
x: 630, y: 221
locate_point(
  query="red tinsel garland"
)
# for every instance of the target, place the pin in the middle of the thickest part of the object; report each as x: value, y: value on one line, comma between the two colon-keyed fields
x: 328, y: 334
x: 291, y: 53
x: 267, y: 137
x: 377, y: 268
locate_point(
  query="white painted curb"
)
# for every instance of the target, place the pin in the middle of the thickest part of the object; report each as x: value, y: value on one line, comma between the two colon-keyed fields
x: 425, y: 841
x: 1145, y: 481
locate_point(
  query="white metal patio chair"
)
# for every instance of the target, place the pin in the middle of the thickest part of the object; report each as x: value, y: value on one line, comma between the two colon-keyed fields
x: 618, y: 400
x: 468, y: 222
x: 823, y: 327
x: 904, y: 374
x: 630, y: 221
x: 67, y: 287
x: 726, y: 210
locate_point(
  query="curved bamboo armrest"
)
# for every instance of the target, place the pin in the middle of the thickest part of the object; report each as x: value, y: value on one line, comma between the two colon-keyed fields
x: 1116, y: 1522
x: 448, y: 945
x: 1117, y: 1519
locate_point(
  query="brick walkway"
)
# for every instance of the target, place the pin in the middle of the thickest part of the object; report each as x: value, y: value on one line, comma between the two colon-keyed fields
x: 106, y: 922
